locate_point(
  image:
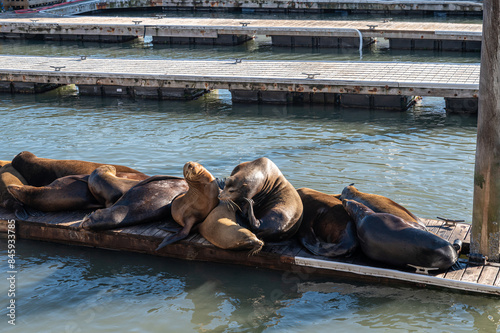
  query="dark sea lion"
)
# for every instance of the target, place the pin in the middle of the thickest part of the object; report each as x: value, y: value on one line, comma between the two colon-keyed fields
x: 42, y: 171
x: 66, y: 193
x: 221, y: 229
x: 106, y: 187
x: 10, y: 176
x: 193, y: 206
x: 147, y: 201
x: 268, y: 201
x: 379, y: 204
x: 326, y: 228
x: 392, y: 240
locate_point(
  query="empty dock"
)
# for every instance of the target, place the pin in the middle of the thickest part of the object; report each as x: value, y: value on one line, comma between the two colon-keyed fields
x: 358, y: 84
x: 293, y: 33
x: 63, y: 227
x: 406, y: 7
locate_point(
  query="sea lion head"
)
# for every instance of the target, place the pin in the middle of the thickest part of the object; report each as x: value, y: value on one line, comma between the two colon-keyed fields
x: 104, y: 169
x: 235, y: 189
x: 17, y: 191
x: 356, y: 210
x: 349, y: 192
x: 195, y: 172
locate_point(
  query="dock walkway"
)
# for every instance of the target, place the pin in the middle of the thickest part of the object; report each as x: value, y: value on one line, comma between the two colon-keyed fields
x: 63, y: 227
x: 406, y: 7
x: 294, y: 33
x: 248, y: 80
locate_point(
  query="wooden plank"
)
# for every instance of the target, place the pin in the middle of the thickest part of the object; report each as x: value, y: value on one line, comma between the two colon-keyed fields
x: 488, y: 275
x: 456, y: 274
x: 472, y: 273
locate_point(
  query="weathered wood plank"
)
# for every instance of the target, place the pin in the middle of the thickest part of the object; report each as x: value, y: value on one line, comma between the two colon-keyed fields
x: 488, y: 275
x: 472, y: 273
x: 456, y: 274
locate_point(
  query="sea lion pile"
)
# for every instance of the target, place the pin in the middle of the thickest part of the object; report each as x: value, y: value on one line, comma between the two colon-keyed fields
x: 254, y: 205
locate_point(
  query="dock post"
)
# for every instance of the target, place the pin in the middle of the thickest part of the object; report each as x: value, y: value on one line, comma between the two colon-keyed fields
x: 485, y: 231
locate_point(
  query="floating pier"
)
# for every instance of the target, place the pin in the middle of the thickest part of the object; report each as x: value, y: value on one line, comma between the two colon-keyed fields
x: 290, y: 33
x: 63, y: 227
x: 385, y: 85
x: 405, y: 7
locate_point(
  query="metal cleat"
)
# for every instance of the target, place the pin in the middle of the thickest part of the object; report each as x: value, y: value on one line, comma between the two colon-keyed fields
x: 311, y: 75
x: 423, y: 270
x: 448, y: 222
x: 58, y: 68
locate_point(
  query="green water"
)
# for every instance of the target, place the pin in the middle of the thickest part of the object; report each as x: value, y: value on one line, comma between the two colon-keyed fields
x: 422, y: 158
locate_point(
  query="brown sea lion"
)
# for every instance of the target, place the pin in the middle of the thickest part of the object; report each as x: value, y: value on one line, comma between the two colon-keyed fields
x: 147, y: 201
x: 270, y: 204
x: 10, y: 176
x: 2, y: 163
x: 106, y: 187
x: 66, y: 193
x: 326, y: 228
x: 379, y: 204
x: 193, y: 206
x: 392, y: 240
x: 220, y: 229
x: 42, y: 171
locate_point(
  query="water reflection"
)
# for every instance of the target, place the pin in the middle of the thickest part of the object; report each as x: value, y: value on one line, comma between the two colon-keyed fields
x: 74, y: 289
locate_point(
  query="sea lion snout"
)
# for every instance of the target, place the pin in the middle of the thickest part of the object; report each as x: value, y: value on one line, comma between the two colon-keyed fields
x: 15, y: 191
x: 197, y: 172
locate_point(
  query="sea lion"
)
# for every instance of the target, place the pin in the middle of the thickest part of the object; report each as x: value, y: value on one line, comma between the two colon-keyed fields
x: 392, y: 240
x: 193, y: 206
x: 2, y: 163
x: 66, y: 193
x: 270, y: 204
x: 221, y: 229
x: 42, y: 171
x: 10, y: 176
x: 106, y: 187
x: 380, y: 204
x: 147, y: 201
x: 326, y: 228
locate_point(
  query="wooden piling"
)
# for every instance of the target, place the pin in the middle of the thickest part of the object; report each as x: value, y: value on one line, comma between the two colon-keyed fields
x: 485, y: 237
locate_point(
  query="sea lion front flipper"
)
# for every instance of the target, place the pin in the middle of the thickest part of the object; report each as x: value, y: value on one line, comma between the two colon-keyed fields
x: 254, y: 222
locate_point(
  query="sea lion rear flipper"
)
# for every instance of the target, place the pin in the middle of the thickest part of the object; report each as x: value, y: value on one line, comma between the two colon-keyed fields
x: 170, y: 228
x: 345, y: 246
x: 179, y: 235
x: 24, y: 213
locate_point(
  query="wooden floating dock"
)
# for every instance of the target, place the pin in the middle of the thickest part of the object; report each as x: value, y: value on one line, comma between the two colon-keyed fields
x: 356, y: 84
x: 293, y: 33
x: 406, y: 7
x: 63, y: 227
